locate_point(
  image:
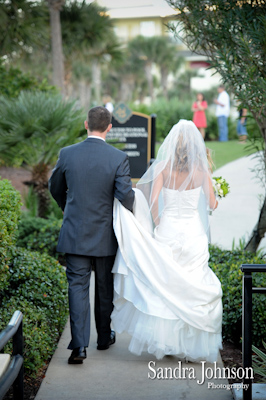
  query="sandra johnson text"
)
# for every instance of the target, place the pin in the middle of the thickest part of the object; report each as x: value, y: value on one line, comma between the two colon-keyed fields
x: 214, y: 372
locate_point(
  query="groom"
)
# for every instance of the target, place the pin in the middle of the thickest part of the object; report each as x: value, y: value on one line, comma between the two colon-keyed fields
x: 84, y: 182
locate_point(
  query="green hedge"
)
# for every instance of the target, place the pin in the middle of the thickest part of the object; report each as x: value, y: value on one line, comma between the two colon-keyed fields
x: 39, y: 234
x: 10, y: 204
x: 31, y: 282
x: 212, y: 132
x: 13, y: 81
x: 169, y: 112
x: 37, y: 287
x: 226, y: 265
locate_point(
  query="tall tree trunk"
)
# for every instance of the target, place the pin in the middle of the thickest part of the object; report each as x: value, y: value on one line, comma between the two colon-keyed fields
x: 148, y: 72
x: 84, y: 93
x: 57, y: 48
x: 126, y: 89
x: 164, y: 77
x: 40, y: 181
x: 258, y: 232
x: 260, y: 228
x: 96, y: 77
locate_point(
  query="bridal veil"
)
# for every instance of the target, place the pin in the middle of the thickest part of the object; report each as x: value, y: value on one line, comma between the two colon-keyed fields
x: 182, y: 164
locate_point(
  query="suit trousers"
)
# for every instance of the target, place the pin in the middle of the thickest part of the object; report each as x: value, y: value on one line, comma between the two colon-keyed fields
x: 78, y: 273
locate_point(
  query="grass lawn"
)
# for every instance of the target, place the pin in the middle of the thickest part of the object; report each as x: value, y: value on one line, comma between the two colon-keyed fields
x: 225, y: 152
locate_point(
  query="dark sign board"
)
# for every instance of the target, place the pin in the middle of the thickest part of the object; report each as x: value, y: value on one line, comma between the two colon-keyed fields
x: 131, y: 132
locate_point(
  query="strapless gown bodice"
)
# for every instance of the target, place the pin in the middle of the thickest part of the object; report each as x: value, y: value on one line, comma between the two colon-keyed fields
x: 183, y: 204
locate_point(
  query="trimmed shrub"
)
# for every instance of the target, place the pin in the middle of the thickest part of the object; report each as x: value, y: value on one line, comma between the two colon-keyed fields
x: 31, y: 282
x: 13, y: 81
x: 226, y: 265
x: 37, y: 287
x: 39, y: 234
x: 169, y: 112
x: 212, y: 132
x: 9, y: 216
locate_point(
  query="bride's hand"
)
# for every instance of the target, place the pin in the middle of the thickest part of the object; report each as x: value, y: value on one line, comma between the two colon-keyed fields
x: 215, y: 205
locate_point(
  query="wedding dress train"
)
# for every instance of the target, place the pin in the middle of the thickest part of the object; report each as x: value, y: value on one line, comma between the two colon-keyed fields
x: 166, y: 296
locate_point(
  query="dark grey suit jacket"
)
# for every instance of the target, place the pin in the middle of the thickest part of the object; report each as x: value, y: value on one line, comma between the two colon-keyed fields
x: 84, y: 182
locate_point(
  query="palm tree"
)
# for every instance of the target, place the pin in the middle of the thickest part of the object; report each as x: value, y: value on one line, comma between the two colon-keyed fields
x: 33, y: 127
x: 57, y: 49
x: 21, y: 26
x: 102, y: 55
x: 88, y: 36
x: 156, y: 50
x: 125, y: 78
x: 142, y: 49
x: 167, y: 59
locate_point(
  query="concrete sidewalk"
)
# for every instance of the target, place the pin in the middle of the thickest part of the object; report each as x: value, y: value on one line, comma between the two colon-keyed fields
x: 237, y: 214
x: 116, y: 374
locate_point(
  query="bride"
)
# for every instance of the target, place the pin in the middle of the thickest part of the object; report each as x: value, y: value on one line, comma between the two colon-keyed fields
x: 166, y: 296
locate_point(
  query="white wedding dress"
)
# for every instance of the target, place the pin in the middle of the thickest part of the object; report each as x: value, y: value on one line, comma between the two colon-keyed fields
x: 166, y: 296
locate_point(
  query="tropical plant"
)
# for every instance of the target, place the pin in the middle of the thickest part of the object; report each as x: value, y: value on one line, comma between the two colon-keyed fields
x: 21, y: 26
x: 233, y: 36
x: 259, y: 362
x: 33, y: 127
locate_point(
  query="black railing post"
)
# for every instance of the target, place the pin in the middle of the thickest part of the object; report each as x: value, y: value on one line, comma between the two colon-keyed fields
x: 153, y: 135
x: 247, y: 331
x: 18, y: 385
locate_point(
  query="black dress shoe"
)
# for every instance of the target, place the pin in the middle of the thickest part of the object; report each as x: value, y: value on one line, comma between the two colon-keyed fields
x: 111, y: 341
x: 77, y: 356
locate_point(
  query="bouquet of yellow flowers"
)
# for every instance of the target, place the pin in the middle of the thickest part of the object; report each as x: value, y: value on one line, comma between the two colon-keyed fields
x: 220, y: 186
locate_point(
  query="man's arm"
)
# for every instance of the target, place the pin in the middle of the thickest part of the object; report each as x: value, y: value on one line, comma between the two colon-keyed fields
x: 57, y: 184
x: 123, y: 186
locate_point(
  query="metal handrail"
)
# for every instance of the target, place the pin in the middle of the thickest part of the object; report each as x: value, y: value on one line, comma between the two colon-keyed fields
x: 10, y: 375
x: 11, y: 328
x: 14, y: 374
x: 247, y: 292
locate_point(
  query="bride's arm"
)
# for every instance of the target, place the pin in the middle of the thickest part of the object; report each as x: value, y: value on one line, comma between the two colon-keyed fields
x: 157, y: 187
x: 213, y: 203
x: 209, y: 192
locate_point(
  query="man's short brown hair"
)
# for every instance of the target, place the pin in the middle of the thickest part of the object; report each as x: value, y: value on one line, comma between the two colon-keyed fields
x: 98, y: 119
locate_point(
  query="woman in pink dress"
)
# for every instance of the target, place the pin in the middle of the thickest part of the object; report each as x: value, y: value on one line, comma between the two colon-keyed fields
x: 199, y: 117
